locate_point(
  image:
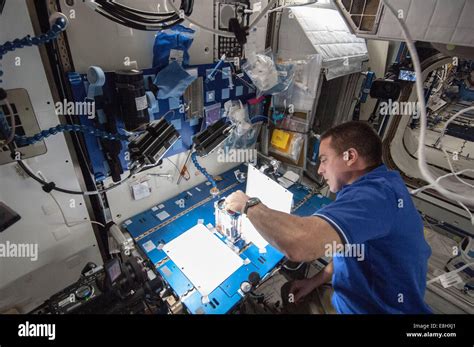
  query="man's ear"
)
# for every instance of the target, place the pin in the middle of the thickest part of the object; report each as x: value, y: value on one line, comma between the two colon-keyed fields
x: 345, y: 156
x: 350, y: 156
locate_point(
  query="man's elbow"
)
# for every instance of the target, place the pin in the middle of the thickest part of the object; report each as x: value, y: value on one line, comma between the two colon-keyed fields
x: 298, y: 255
x: 294, y: 257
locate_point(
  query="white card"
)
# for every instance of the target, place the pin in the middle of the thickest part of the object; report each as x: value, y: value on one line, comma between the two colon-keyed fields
x: 203, y: 258
x: 271, y: 194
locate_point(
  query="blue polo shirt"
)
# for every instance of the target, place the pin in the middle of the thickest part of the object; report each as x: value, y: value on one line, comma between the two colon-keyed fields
x: 382, y: 267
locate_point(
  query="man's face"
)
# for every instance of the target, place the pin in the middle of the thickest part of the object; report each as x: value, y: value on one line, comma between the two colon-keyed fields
x: 332, y: 166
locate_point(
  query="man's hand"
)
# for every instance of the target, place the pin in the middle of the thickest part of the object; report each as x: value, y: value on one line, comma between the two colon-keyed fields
x: 301, y: 288
x: 236, y: 201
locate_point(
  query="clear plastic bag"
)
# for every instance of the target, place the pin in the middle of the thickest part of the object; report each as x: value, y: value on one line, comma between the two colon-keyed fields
x: 269, y: 77
x: 287, y: 144
x: 244, y: 134
x: 282, y: 104
x: 286, y: 74
x: 294, y: 124
x: 245, y: 141
x: 307, y: 72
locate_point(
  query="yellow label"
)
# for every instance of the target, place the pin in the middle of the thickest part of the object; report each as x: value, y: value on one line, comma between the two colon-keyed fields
x: 280, y: 138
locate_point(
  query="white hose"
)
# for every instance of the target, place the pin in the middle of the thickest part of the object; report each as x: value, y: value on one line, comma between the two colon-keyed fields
x: 422, y: 165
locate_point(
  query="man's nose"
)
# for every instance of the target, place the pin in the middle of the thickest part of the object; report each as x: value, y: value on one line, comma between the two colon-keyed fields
x: 320, y: 170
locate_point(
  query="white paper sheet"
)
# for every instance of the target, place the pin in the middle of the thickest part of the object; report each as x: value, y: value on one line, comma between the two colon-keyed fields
x: 271, y: 194
x: 203, y: 258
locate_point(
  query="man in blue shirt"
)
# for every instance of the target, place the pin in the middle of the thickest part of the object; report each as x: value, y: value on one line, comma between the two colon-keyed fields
x: 372, y: 229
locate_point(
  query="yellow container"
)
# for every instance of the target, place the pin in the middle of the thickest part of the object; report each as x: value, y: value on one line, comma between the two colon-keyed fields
x: 281, y: 140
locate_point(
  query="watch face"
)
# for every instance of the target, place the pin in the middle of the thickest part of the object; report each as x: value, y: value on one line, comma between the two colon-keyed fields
x: 251, y: 202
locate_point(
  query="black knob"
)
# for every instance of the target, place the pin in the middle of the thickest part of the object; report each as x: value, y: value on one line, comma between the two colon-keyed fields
x: 254, y: 279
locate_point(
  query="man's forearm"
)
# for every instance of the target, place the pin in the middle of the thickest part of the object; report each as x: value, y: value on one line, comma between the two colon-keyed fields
x: 299, y: 238
x: 281, y: 230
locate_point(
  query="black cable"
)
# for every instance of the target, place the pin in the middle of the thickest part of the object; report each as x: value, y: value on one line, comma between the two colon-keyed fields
x: 187, y: 6
x: 133, y: 17
x: 128, y: 17
x: 47, y: 186
x: 134, y: 25
x: 134, y: 10
x: 50, y: 186
x: 139, y: 20
x: 137, y: 26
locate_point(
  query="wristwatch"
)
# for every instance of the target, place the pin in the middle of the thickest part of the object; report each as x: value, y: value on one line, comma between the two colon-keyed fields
x: 251, y: 202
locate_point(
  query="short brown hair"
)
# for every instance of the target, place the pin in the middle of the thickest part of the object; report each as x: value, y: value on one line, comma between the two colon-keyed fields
x: 358, y: 135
